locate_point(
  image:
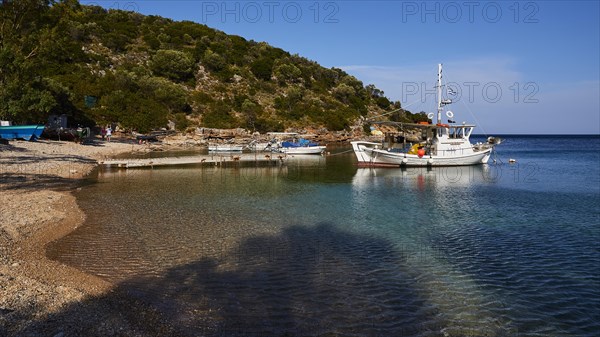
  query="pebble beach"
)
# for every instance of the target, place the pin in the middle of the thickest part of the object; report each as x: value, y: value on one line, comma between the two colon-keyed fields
x: 38, y: 296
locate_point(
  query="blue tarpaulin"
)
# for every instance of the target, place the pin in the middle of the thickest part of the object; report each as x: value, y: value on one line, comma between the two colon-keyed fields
x: 300, y: 143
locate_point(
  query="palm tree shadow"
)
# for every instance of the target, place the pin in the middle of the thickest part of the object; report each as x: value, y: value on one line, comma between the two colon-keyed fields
x: 316, y: 280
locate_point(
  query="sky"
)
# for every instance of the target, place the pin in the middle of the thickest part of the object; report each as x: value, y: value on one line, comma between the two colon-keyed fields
x: 527, y: 67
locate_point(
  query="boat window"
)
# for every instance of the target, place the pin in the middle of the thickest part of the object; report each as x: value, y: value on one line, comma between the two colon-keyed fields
x: 467, y: 132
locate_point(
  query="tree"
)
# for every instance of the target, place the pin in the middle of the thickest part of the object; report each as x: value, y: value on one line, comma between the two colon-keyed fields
x: 262, y: 68
x: 382, y: 102
x: 132, y: 111
x: 218, y: 116
x: 287, y: 72
x: 213, y: 61
x: 172, y: 64
x: 172, y: 96
x: 181, y: 121
x: 343, y: 92
x: 25, y: 95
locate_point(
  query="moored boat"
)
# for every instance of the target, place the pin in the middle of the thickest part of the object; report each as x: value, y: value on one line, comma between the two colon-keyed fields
x: 301, y: 146
x: 443, y: 144
x: 292, y: 143
x: 26, y: 132
x: 225, y: 148
x: 256, y: 146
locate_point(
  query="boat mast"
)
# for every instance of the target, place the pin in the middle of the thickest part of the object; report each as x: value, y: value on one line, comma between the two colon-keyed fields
x: 439, y: 99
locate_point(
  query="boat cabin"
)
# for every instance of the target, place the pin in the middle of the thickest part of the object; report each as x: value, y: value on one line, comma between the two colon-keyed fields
x: 436, y: 139
x: 451, y: 140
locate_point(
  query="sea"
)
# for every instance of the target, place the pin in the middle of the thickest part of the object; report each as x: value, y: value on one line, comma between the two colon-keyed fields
x: 315, y: 246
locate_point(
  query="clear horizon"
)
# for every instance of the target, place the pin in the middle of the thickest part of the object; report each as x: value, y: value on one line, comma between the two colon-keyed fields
x: 514, y: 67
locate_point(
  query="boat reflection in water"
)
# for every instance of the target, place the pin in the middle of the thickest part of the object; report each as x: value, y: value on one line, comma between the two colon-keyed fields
x: 446, y: 176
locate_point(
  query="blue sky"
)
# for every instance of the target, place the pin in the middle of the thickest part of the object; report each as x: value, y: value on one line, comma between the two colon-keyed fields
x: 518, y: 67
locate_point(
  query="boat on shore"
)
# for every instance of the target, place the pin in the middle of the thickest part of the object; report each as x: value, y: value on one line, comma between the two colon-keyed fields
x: 442, y: 143
x: 26, y: 132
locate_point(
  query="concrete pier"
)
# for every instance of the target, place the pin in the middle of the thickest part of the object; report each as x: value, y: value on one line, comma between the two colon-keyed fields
x: 215, y: 159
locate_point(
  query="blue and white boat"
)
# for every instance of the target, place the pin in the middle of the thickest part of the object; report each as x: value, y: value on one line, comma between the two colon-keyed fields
x: 26, y: 132
x: 300, y: 146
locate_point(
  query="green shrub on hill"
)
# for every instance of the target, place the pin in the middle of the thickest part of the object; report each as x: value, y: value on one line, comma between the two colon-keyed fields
x: 143, y: 70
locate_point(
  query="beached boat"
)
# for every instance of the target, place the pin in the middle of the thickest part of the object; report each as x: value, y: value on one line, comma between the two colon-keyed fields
x: 26, y: 132
x: 443, y: 144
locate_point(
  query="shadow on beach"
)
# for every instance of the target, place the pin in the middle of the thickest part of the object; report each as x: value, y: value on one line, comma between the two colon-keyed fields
x: 11, y: 148
x: 32, y: 172
x: 32, y: 182
x: 316, y: 280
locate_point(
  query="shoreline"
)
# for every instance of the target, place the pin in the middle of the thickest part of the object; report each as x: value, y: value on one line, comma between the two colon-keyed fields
x: 38, y: 207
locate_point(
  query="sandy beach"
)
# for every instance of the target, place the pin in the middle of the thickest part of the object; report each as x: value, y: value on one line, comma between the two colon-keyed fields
x: 38, y: 296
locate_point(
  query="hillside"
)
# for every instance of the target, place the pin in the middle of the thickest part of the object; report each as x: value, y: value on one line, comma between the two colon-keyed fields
x: 103, y: 66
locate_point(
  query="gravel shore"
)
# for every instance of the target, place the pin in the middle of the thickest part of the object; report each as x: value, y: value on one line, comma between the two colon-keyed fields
x: 41, y: 297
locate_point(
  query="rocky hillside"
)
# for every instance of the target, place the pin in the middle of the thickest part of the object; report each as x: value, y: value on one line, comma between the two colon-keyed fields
x: 103, y: 66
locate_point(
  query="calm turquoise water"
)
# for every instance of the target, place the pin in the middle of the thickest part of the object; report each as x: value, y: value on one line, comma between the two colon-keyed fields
x: 320, y: 247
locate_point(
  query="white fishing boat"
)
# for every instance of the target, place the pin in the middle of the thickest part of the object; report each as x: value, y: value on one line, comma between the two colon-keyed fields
x: 225, y: 148
x: 443, y: 144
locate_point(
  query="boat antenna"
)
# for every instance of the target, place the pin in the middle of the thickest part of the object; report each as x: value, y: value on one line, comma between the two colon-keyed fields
x: 439, y: 89
x: 479, y: 125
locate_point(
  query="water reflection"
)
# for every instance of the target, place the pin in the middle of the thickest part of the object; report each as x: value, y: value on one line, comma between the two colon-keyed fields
x: 439, y: 177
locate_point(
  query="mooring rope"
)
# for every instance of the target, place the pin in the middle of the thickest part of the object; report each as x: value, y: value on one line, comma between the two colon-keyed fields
x: 338, y: 153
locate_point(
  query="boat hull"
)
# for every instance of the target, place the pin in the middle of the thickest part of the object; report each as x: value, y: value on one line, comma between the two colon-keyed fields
x: 370, y: 156
x: 225, y: 148
x: 26, y: 132
x: 302, y: 150
x: 264, y: 147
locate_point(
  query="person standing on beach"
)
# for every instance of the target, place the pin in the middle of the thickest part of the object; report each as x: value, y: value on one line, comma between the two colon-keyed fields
x: 103, y: 132
x: 108, y: 133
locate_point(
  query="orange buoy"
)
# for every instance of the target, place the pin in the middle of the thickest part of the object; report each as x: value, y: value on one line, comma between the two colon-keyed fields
x: 421, y: 152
